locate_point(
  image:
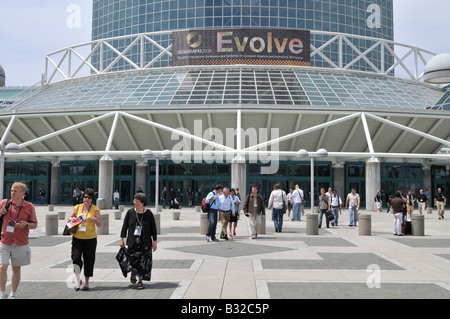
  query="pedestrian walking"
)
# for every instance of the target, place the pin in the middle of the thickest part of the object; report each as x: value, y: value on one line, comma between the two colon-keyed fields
x: 422, y: 202
x: 440, y: 201
x: 325, y: 209
x: 84, y: 240
x: 116, y: 198
x: 227, y: 210
x: 410, y: 200
x: 278, y: 202
x: 164, y: 197
x: 290, y: 203
x: 18, y: 216
x: 336, y: 205
x: 352, y: 202
x: 254, y: 209
x: 139, y: 229
x: 234, y: 218
x: 213, y: 202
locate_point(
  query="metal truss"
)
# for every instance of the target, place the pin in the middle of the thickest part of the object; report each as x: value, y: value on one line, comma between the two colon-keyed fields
x: 239, y: 151
x: 152, y: 50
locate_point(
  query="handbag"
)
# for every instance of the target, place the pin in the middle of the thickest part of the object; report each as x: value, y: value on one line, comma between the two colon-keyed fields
x: 8, y: 203
x: 69, y: 231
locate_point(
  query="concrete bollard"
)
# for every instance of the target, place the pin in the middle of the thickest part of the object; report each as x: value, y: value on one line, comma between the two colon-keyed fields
x: 61, y: 215
x: 418, y: 225
x: 104, y: 230
x: 198, y: 209
x: 365, y: 225
x: 51, y: 224
x: 176, y: 215
x: 312, y: 224
x: 121, y: 208
x: 158, y: 223
x: 51, y: 208
x: 117, y: 215
x: 204, y: 222
x: 430, y: 210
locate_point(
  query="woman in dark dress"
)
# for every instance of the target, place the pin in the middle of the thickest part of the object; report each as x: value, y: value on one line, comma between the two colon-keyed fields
x: 139, y: 229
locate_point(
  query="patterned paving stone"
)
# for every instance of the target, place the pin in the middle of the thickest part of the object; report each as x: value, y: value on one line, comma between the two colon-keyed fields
x: 108, y: 261
x: 98, y: 290
x: 423, y: 242
x: 339, y: 290
x: 333, y: 261
x: 230, y: 249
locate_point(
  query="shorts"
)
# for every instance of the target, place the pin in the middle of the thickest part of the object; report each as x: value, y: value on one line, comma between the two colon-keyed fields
x: 19, y: 255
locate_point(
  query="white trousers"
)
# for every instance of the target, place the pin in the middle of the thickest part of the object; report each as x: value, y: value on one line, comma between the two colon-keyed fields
x: 254, y: 223
x: 398, y: 221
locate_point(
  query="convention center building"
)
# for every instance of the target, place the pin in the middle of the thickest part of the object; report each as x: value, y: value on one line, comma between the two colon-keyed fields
x: 191, y: 93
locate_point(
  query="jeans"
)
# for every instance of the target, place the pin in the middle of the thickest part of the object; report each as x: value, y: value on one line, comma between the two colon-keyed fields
x: 353, y: 210
x: 335, y: 211
x: 321, y: 213
x: 277, y: 217
x: 297, y: 212
x: 212, y: 218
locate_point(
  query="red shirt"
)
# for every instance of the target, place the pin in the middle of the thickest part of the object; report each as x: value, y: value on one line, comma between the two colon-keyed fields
x: 24, y: 212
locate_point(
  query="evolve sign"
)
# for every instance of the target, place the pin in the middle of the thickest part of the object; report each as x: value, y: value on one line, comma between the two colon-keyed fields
x: 241, y: 46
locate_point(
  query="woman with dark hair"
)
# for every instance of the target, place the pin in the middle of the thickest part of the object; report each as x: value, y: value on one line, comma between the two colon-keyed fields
x: 139, y: 229
x: 84, y: 240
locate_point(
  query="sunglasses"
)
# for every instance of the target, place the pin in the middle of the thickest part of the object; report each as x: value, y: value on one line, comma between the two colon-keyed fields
x: 89, y: 197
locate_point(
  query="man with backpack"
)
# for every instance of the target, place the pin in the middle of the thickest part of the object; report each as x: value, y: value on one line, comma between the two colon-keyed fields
x: 212, y: 206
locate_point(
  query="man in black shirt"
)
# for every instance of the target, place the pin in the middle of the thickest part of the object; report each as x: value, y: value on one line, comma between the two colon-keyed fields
x: 440, y: 201
x: 422, y: 201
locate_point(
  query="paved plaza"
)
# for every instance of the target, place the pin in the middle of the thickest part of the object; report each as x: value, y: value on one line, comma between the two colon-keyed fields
x: 338, y: 263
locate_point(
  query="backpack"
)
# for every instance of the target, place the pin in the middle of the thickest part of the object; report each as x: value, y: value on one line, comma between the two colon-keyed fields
x: 205, y: 206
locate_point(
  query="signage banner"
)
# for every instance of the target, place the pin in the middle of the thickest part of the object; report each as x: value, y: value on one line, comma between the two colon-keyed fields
x: 241, y: 46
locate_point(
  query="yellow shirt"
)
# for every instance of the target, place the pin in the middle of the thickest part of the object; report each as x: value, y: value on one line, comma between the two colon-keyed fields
x: 90, y: 226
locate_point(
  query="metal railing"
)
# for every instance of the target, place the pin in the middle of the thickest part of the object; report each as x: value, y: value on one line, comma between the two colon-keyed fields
x: 151, y: 50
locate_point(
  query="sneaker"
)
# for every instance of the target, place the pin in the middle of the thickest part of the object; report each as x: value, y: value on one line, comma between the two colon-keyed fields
x: 208, y: 238
x: 12, y: 296
x: 3, y: 295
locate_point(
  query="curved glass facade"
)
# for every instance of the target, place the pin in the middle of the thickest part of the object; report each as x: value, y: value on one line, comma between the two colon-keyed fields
x: 215, y: 86
x: 371, y: 18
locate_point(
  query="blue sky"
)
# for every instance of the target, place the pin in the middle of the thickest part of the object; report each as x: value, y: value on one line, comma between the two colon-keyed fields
x: 29, y: 29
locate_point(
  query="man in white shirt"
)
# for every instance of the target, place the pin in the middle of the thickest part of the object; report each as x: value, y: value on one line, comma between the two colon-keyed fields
x: 353, y: 201
x: 297, y: 199
x: 226, y: 207
x: 336, y: 205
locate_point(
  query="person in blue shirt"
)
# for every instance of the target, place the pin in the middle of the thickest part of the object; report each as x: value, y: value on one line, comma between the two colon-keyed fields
x: 226, y: 211
x: 213, y: 200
